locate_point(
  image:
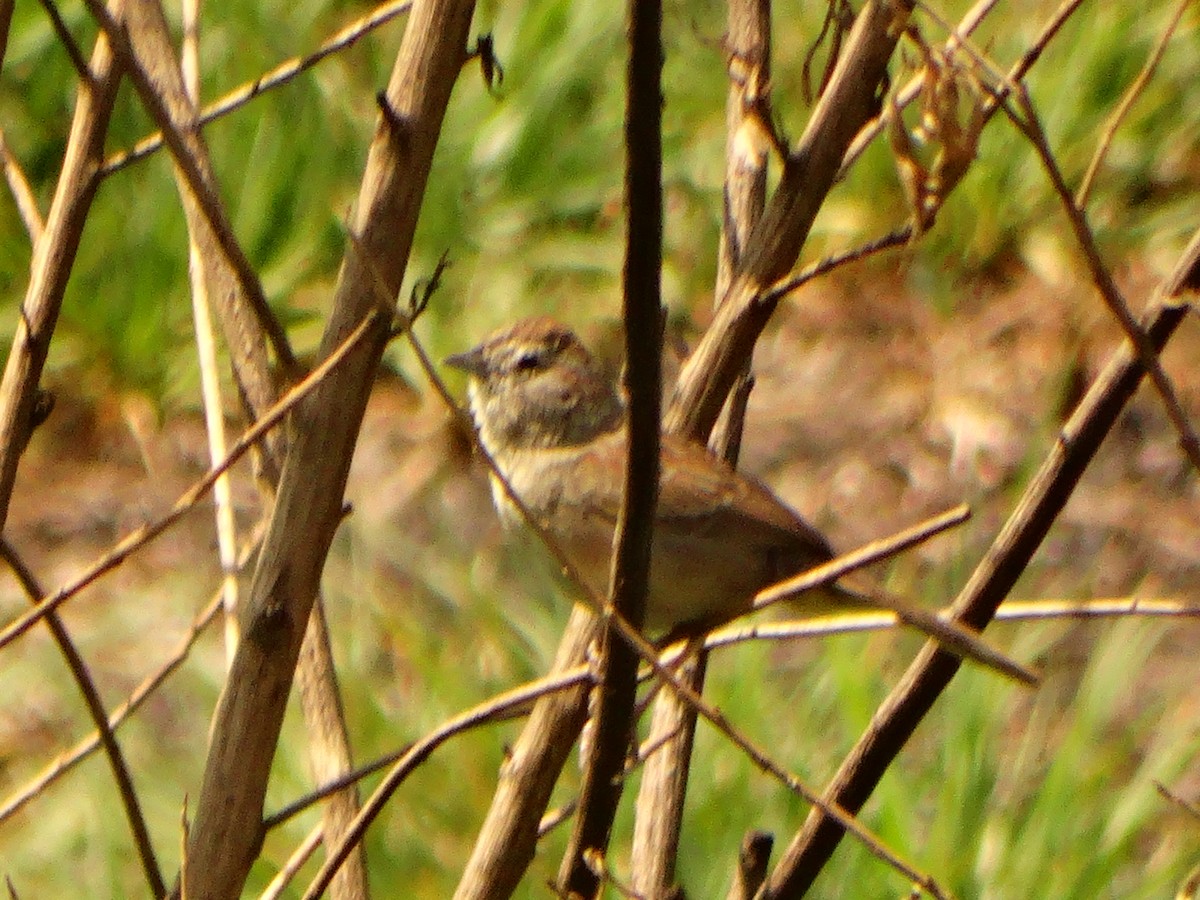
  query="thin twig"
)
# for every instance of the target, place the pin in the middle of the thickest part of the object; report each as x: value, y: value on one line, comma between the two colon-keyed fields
x: 277, y: 77
x: 950, y: 635
x: 1009, y: 611
x: 142, y: 536
x: 420, y: 751
x: 895, y: 721
x: 906, y: 95
x: 27, y: 205
x: 792, y: 283
x: 288, y: 871
x: 66, y: 761
x: 1031, y: 127
x: 68, y: 41
x: 503, y: 711
x: 183, y: 141
x: 84, y: 748
x: 95, y: 706
x: 1126, y: 104
x: 1167, y: 794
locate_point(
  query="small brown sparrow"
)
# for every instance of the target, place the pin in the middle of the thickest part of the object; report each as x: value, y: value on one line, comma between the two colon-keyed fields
x: 554, y: 425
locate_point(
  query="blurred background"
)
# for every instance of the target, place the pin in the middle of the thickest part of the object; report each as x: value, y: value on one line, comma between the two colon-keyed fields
x: 889, y: 391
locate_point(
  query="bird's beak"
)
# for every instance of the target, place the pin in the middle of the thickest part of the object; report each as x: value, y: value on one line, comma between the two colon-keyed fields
x: 471, y: 361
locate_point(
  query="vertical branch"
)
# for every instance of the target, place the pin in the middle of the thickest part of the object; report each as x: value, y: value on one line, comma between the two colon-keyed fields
x: 53, y: 257
x: 660, y: 802
x: 206, y: 352
x: 228, y: 827
x: 6, y: 11
x: 603, y: 780
x: 329, y: 750
x: 213, y: 273
x: 658, y: 820
x: 506, y: 842
x: 850, y: 99
x: 930, y: 673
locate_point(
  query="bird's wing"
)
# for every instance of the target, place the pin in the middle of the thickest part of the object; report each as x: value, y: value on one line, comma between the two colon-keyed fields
x: 699, y: 495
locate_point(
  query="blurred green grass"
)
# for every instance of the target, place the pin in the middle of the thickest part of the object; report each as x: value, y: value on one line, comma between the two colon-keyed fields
x: 525, y: 196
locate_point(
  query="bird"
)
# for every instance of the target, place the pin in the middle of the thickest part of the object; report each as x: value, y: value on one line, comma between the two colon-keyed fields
x: 553, y: 423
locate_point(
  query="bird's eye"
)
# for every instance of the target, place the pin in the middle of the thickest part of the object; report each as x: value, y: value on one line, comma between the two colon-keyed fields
x: 528, y: 361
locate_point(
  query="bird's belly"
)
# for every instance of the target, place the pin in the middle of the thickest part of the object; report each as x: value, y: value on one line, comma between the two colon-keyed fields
x: 693, y: 578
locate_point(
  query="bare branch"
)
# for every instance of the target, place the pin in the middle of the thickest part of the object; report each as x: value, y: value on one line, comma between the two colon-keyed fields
x: 950, y: 635
x: 95, y: 706
x: 67, y: 40
x: 485, y: 712
x: 808, y: 173
x: 753, y: 859
x: 762, y: 760
x: 509, y: 834
x: 1009, y: 611
x: 227, y: 829
x: 1030, y: 125
x: 329, y: 748
x: 22, y: 193
x: 291, y: 868
x: 277, y: 77
x: 66, y: 761
x: 142, y: 536
x: 53, y: 257
x: 613, y: 719
x: 932, y: 670
x: 1122, y: 110
x: 749, y: 141
x: 144, y: 50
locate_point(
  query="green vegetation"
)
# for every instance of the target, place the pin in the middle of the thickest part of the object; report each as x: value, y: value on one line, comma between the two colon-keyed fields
x: 1002, y: 794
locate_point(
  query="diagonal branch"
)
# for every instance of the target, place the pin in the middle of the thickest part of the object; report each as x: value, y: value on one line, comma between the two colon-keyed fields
x: 849, y: 101
x: 66, y: 39
x: 1010, y: 553
x: 142, y: 536
x: 18, y: 184
x: 485, y: 712
x: 275, y: 78
x: 66, y: 761
x: 53, y: 257
x: 1118, y: 115
x: 1031, y: 126
x: 160, y: 88
x: 225, y: 837
x: 91, y: 698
